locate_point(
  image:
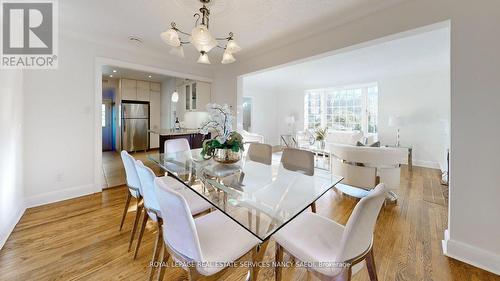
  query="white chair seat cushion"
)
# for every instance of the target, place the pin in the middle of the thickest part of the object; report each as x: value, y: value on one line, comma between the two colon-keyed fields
x: 221, y: 240
x: 195, y: 202
x: 312, y: 238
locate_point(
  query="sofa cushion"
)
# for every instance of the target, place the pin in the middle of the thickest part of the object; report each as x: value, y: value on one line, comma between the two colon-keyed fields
x: 344, y: 137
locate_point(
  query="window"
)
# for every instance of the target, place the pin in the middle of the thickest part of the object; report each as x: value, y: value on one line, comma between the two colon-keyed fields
x: 103, y: 115
x: 345, y: 108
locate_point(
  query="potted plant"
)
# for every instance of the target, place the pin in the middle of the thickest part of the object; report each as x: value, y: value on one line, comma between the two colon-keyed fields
x: 320, y: 136
x: 227, y: 145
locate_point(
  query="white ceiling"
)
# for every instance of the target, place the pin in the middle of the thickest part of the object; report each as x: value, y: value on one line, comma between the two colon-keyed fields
x: 131, y: 74
x: 254, y: 22
x: 425, y: 52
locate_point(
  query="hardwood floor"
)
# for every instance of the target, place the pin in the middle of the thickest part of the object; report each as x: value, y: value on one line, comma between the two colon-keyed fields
x: 78, y: 239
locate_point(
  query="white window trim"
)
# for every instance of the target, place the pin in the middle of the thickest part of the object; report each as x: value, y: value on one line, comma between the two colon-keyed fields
x: 364, y: 88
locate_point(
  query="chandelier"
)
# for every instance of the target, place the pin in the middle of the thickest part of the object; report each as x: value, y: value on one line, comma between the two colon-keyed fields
x: 200, y: 38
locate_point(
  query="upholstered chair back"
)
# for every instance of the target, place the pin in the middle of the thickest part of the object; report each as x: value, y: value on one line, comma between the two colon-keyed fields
x: 130, y: 172
x: 180, y: 230
x: 147, y: 177
x: 176, y: 145
x: 298, y: 160
x: 361, y: 165
x: 259, y: 152
x: 358, y: 232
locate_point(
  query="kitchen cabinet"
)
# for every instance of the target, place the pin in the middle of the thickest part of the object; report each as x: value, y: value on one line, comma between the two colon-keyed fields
x: 143, y: 90
x: 154, y: 121
x: 196, y: 95
x: 156, y: 87
x: 128, y: 89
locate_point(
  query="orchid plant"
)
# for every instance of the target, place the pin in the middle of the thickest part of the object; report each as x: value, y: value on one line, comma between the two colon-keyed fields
x: 220, y: 121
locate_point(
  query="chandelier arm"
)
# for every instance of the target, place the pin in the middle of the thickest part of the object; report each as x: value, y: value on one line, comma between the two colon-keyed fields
x: 222, y: 38
x: 181, y: 32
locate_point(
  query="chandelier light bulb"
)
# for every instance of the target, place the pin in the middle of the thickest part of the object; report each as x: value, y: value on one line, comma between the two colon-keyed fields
x: 171, y: 37
x: 232, y: 46
x: 201, y: 38
x: 203, y: 58
x: 227, y: 57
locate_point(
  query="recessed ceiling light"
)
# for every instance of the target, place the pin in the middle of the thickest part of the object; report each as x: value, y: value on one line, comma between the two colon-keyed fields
x: 114, y: 71
x: 150, y: 76
x: 111, y: 76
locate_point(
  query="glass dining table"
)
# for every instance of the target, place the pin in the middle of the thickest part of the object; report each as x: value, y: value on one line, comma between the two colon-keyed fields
x: 260, y: 198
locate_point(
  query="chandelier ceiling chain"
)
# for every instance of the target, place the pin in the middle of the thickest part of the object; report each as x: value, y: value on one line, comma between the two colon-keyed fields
x: 201, y: 38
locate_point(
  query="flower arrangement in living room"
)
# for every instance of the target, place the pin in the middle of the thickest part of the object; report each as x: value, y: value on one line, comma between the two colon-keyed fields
x: 227, y: 144
x: 320, y: 135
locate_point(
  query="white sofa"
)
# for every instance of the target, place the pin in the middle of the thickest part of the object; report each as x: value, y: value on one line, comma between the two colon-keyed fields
x: 350, y: 137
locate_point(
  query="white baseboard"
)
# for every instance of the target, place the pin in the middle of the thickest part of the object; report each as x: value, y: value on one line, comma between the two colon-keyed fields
x: 11, y: 223
x: 426, y: 164
x: 469, y: 254
x: 59, y: 195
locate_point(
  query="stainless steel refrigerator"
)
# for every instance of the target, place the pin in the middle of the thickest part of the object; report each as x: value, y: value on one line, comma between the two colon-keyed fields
x: 135, y: 126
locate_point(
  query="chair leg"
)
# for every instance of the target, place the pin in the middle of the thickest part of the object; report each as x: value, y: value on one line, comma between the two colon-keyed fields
x: 157, y: 248
x: 278, y: 270
x: 125, y: 210
x: 136, y: 221
x: 164, y: 259
x: 370, y: 265
x: 141, y: 232
x: 313, y: 207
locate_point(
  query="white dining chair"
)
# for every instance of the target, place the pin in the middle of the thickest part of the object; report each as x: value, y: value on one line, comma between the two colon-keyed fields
x: 299, y: 160
x: 313, y: 239
x: 176, y: 145
x: 151, y: 206
x: 134, y: 188
x: 212, y: 238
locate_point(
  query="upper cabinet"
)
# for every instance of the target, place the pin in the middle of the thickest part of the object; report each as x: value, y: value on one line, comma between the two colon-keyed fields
x: 196, y: 95
x: 143, y: 89
x: 128, y: 89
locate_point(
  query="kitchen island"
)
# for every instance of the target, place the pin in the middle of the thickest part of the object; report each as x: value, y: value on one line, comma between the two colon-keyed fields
x: 194, y: 138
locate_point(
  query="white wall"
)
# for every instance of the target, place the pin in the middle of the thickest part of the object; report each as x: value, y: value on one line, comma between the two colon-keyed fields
x: 423, y: 103
x: 59, y: 117
x: 473, y: 227
x: 168, y: 87
x: 11, y: 151
x: 265, y: 114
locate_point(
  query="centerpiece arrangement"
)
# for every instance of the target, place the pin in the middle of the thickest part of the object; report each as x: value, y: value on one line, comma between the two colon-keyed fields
x: 227, y: 145
x: 320, y: 136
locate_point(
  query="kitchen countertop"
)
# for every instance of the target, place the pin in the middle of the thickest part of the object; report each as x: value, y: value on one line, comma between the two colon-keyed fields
x: 171, y: 132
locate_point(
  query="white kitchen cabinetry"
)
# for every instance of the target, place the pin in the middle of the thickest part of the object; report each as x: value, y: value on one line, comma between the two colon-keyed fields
x: 154, y: 121
x: 143, y: 89
x: 128, y: 89
x: 195, y: 95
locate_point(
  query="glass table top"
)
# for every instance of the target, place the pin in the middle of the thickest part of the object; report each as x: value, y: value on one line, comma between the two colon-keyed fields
x: 261, y: 198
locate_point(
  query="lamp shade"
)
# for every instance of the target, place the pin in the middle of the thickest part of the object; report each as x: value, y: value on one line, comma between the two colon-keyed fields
x: 233, y: 47
x: 203, y: 58
x: 227, y: 57
x: 201, y: 38
x: 177, y: 51
x: 175, y: 97
x: 171, y: 37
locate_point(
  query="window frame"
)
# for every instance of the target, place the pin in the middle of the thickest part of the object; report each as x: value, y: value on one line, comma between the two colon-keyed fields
x: 323, y: 107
